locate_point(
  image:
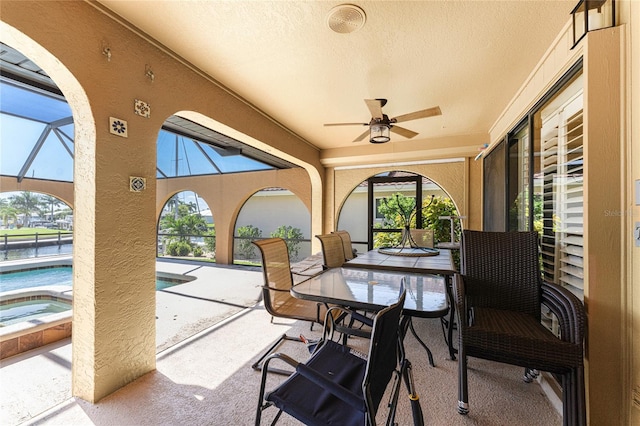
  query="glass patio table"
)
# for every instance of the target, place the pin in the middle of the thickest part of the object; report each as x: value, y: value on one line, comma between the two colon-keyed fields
x: 441, y: 264
x: 373, y: 290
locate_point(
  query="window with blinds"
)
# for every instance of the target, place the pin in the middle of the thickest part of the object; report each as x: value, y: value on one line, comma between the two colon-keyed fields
x: 561, y: 187
x: 559, y: 182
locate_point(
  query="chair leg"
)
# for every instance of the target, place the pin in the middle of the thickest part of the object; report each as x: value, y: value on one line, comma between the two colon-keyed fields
x: 258, y: 364
x: 463, y: 396
x: 574, y: 410
x: 530, y: 375
x: 581, y: 410
x: 566, y: 400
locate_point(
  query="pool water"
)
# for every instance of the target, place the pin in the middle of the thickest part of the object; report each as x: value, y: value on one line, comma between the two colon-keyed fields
x: 12, y: 313
x: 60, y: 275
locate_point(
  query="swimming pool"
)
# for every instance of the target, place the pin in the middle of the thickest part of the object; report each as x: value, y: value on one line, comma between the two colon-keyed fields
x: 58, y: 275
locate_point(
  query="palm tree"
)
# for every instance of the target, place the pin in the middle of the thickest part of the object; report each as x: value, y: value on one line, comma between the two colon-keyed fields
x: 50, y: 201
x: 7, y: 212
x: 26, y: 203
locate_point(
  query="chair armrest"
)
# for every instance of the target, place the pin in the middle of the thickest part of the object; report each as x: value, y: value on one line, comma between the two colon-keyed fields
x: 275, y: 289
x: 568, y: 309
x: 335, y: 388
x: 336, y: 315
x: 459, y: 299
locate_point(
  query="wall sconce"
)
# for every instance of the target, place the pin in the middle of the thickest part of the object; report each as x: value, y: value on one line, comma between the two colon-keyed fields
x: 379, y: 133
x: 590, y: 15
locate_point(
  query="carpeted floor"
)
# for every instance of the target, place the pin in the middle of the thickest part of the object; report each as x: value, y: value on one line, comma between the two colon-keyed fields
x: 207, y: 380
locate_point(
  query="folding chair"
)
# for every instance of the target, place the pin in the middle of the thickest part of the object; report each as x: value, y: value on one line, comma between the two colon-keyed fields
x: 338, y: 385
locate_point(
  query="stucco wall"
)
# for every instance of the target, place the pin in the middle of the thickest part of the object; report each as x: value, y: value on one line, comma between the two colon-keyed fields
x: 226, y: 194
x: 114, y: 249
x: 61, y: 190
x: 451, y: 176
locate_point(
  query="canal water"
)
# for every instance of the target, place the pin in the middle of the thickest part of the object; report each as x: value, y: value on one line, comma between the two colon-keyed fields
x: 25, y: 253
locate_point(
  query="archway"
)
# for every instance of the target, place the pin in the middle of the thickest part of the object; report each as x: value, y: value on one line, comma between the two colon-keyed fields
x: 272, y: 212
x: 186, y: 228
x: 368, y: 211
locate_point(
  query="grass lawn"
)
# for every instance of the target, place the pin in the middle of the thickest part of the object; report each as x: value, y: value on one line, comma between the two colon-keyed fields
x: 29, y: 233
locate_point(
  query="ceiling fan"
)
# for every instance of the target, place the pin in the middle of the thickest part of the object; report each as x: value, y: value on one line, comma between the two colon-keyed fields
x: 380, y: 124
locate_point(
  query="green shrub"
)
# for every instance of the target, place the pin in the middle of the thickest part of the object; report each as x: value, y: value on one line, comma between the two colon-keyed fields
x: 292, y: 236
x: 178, y: 248
x: 245, y: 248
x: 197, y: 251
x: 210, y: 240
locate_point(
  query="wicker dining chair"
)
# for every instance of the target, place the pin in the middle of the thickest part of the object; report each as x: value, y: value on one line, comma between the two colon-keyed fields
x: 340, y: 386
x: 349, y: 252
x: 276, y: 295
x: 332, y: 250
x: 498, y: 299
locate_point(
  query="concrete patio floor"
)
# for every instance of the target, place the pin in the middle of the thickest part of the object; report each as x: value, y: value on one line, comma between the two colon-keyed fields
x: 211, y: 330
x: 35, y: 381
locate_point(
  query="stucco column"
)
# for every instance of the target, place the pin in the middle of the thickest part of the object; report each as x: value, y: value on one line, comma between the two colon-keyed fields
x: 114, y: 265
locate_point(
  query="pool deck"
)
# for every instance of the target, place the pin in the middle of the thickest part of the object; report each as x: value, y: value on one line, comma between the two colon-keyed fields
x: 44, y: 374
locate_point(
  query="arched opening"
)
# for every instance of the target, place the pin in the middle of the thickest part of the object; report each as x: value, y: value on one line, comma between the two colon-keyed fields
x: 34, y: 224
x: 272, y: 212
x: 375, y: 211
x: 186, y: 228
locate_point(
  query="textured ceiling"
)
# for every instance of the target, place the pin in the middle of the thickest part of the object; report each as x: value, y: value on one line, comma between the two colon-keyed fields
x: 468, y: 57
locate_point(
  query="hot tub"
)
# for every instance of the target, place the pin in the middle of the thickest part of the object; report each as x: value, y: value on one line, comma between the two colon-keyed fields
x: 33, y: 318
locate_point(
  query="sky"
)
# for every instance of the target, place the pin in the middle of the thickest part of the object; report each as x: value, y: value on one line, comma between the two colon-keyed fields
x: 29, y: 119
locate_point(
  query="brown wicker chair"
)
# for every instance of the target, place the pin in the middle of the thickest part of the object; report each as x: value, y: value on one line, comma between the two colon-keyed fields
x: 332, y: 250
x: 349, y: 252
x: 278, y: 300
x: 499, y: 297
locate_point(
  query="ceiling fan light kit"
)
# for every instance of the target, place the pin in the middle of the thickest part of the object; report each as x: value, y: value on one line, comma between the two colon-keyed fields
x: 381, y: 125
x: 379, y: 133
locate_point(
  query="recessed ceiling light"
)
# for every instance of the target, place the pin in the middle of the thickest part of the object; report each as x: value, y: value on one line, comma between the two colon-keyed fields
x: 346, y: 18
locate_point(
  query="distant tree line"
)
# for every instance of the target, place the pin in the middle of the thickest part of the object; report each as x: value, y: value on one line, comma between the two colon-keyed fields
x: 19, y: 209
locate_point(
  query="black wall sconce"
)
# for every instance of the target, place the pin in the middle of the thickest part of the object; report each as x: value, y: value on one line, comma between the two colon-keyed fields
x: 590, y: 15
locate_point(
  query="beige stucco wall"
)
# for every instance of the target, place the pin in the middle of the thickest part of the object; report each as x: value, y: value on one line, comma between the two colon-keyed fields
x: 226, y: 194
x: 114, y: 249
x: 452, y: 176
x: 61, y: 190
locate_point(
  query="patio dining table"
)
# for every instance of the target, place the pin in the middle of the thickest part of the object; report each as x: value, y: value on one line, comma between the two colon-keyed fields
x: 417, y: 261
x: 372, y: 290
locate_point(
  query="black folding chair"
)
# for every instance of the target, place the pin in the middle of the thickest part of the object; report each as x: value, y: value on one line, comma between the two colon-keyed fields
x: 338, y: 385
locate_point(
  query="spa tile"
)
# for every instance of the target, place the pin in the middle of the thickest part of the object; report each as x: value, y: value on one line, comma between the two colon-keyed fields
x: 30, y: 341
x: 9, y: 348
x: 53, y: 334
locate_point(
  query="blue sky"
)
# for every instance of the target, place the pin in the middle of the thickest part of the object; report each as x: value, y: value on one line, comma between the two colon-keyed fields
x: 26, y: 115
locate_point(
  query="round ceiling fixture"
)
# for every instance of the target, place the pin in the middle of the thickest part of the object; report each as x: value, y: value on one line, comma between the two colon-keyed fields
x: 346, y: 18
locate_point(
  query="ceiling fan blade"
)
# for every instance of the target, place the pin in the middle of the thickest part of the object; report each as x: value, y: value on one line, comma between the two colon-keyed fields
x: 362, y: 136
x: 403, y: 132
x: 346, y: 124
x: 429, y: 112
x: 375, y: 106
